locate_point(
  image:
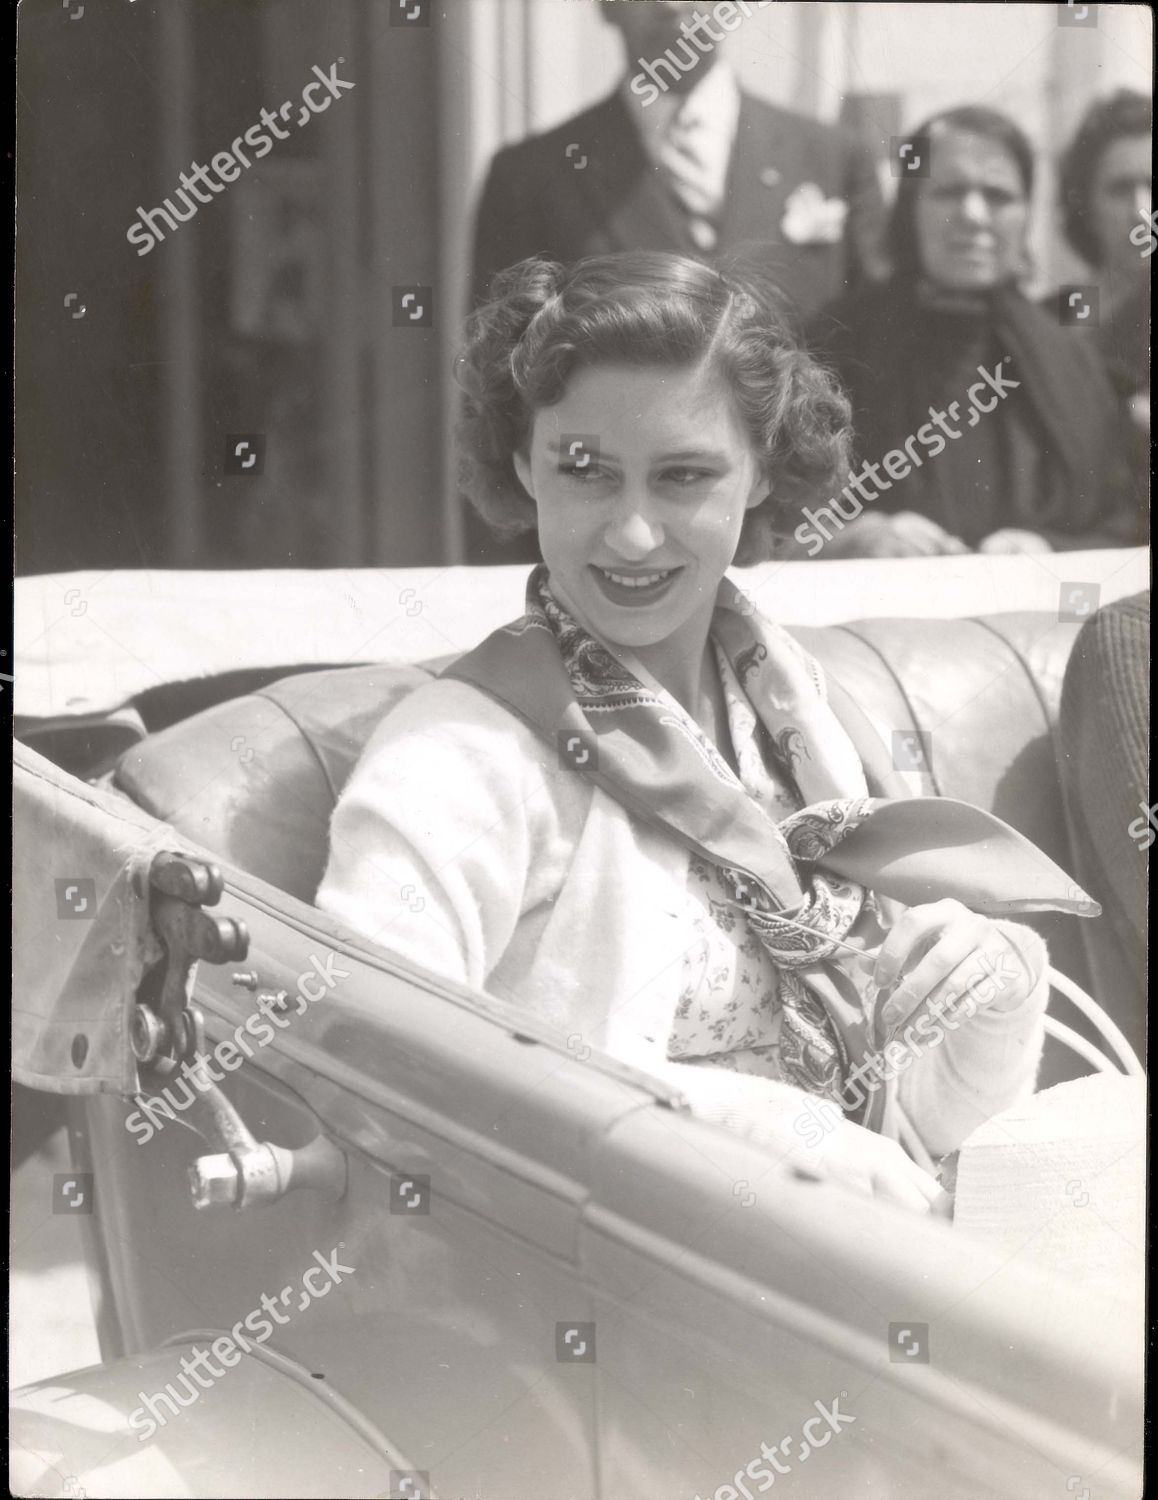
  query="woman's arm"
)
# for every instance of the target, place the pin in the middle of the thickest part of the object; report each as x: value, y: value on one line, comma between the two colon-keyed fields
x: 807, y: 1136
x: 431, y: 843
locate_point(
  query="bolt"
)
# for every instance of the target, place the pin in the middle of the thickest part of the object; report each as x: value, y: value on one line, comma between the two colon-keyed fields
x: 214, y: 1180
x: 147, y: 1034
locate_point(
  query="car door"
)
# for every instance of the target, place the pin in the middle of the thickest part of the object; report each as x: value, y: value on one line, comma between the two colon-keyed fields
x: 755, y: 1328
x: 455, y: 1323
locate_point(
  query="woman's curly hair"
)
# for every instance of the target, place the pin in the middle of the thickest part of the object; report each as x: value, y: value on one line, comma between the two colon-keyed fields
x: 545, y: 321
x: 1123, y: 114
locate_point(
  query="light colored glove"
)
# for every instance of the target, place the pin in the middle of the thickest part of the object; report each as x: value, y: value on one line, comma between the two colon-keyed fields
x: 940, y: 954
x: 811, y: 1136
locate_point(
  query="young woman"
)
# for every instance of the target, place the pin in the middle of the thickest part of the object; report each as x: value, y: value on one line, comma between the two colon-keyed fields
x: 634, y: 809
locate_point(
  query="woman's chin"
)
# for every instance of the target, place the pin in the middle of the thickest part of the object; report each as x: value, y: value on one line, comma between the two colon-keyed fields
x: 633, y: 632
x: 641, y: 633
x: 970, y: 276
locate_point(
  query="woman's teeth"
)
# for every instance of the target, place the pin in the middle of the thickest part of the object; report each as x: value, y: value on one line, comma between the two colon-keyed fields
x: 638, y: 582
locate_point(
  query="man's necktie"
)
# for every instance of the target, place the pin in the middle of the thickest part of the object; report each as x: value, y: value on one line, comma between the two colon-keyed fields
x: 685, y: 160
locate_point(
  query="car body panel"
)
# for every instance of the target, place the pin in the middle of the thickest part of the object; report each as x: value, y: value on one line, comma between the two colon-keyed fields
x: 734, y: 1298
x: 260, y: 1431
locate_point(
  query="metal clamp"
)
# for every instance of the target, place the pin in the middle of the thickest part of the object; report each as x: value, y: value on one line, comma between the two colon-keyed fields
x: 168, y: 1031
x: 164, y: 1031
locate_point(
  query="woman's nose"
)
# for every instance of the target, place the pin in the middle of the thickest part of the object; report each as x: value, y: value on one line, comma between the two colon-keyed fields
x: 1143, y: 199
x: 634, y: 532
x: 975, y: 207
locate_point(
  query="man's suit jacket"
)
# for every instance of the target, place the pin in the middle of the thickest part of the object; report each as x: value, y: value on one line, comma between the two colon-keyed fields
x: 588, y: 187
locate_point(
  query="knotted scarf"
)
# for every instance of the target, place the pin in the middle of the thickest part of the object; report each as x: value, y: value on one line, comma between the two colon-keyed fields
x: 800, y: 882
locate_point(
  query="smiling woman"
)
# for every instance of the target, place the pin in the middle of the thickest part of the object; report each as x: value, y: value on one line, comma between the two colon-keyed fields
x: 634, y: 809
x: 637, y: 532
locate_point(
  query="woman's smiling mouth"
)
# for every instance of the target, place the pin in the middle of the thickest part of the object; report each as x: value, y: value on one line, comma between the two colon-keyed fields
x: 633, y: 587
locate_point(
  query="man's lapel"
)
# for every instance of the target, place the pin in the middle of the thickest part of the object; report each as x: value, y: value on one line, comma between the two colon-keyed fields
x: 625, y: 191
x: 763, y: 171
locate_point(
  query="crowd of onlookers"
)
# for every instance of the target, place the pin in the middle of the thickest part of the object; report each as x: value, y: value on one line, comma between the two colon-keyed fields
x: 1025, y: 423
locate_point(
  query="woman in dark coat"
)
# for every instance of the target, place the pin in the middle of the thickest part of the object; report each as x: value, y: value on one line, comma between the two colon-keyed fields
x: 993, y: 425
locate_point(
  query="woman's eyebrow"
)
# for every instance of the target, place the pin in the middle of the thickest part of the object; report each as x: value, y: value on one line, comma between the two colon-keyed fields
x: 682, y: 455
x: 571, y: 449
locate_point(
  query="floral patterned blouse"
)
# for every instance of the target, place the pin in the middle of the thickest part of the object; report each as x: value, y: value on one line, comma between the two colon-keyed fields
x: 729, y: 1008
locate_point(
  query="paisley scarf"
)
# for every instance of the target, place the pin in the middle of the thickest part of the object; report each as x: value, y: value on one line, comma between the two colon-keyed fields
x: 802, y: 882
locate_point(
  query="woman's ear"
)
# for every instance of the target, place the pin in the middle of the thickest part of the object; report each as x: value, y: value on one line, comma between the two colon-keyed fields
x: 760, y: 491
x: 522, y: 465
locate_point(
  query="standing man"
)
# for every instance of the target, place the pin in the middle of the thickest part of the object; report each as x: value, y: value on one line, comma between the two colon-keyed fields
x: 679, y: 158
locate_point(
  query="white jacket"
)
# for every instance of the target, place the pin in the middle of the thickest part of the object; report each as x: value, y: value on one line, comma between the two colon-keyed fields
x: 463, y: 842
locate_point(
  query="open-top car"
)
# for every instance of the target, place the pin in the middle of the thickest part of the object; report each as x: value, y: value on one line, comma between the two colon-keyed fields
x: 401, y: 1238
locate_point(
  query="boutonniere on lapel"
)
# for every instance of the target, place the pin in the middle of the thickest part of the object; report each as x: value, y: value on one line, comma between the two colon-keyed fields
x: 812, y: 219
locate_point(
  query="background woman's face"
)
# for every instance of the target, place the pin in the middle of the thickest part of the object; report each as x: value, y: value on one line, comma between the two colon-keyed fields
x: 972, y: 213
x: 641, y: 474
x: 1119, y: 201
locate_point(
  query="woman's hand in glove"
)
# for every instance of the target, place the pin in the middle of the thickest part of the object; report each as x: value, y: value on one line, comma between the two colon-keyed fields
x: 811, y: 1136
x: 940, y: 955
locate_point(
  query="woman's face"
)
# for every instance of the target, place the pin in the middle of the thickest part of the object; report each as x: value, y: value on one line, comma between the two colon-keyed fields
x: 971, y: 214
x: 641, y: 478
x: 1119, y: 201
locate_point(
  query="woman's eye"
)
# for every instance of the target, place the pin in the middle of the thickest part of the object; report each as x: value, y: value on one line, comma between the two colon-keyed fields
x: 581, y: 471
x: 682, y: 475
